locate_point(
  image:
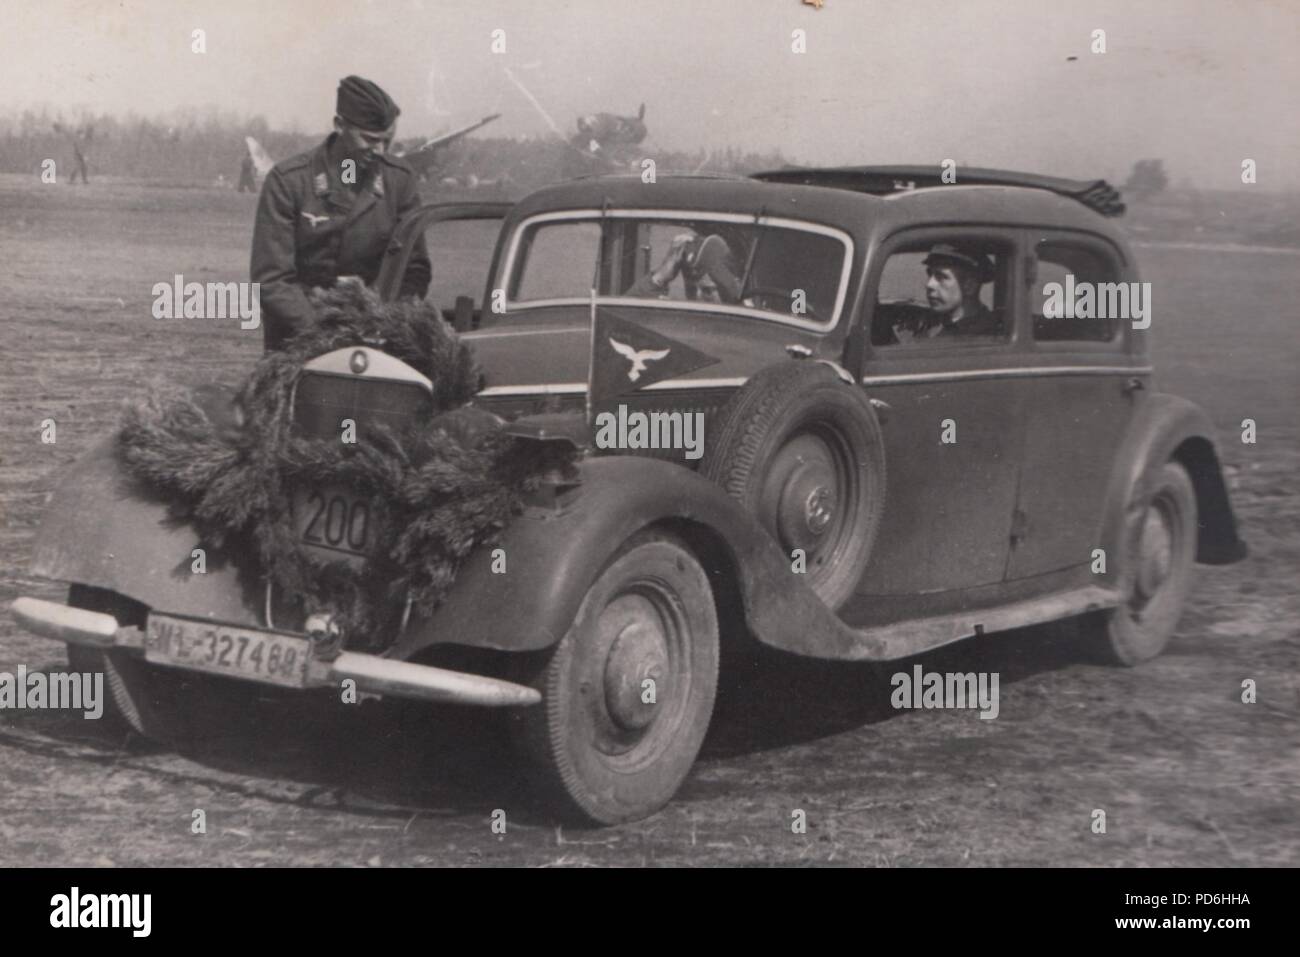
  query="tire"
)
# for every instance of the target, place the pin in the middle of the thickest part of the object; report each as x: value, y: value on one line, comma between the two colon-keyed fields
x: 1159, y: 552
x: 801, y: 450
x: 598, y: 751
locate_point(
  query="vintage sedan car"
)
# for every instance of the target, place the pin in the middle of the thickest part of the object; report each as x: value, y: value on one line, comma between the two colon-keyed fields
x: 871, y: 484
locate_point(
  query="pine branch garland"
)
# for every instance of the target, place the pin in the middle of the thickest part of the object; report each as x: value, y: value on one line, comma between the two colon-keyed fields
x: 440, y: 489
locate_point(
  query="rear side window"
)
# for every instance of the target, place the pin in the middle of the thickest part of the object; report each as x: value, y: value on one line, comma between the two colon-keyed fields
x: 1066, y: 272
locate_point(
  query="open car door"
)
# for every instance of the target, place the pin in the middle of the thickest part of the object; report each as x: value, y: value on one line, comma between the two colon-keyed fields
x: 461, y: 238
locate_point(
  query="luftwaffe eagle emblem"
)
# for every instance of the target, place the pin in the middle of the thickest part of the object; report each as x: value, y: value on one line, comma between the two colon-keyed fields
x: 638, y: 359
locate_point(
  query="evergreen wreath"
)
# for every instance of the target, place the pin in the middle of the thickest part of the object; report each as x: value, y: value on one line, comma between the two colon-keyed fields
x: 438, y: 489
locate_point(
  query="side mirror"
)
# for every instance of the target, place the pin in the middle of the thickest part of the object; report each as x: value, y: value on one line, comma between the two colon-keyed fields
x: 463, y: 317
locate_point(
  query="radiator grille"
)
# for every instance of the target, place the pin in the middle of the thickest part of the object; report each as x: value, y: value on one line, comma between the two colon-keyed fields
x: 323, y: 400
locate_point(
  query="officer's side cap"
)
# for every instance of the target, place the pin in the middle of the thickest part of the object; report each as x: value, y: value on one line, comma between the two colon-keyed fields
x: 947, y: 253
x: 364, y: 104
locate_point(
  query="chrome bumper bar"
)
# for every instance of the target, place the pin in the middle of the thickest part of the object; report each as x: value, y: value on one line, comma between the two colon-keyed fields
x: 372, y: 673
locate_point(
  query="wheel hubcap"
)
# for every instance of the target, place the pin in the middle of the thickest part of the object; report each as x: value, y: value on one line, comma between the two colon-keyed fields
x: 1155, y: 550
x: 639, y: 651
x: 803, y: 493
x: 819, y: 509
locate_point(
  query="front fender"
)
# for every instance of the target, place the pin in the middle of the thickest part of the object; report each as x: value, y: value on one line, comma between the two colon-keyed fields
x: 553, y: 556
x: 103, y: 528
x: 1171, y: 428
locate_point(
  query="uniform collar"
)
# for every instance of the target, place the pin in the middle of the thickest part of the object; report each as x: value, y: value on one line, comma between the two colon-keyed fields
x: 978, y: 312
x: 325, y: 180
x: 321, y: 183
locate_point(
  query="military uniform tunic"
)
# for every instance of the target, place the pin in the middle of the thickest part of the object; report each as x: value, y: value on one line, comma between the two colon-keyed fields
x: 311, y: 228
x: 926, y: 324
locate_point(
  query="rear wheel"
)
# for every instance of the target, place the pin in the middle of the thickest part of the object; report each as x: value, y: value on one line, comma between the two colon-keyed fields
x: 1160, y: 549
x: 628, y: 692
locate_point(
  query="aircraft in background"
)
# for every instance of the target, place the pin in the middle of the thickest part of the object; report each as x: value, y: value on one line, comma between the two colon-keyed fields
x: 262, y: 161
x: 421, y: 157
x: 609, y: 134
x: 604, y: 142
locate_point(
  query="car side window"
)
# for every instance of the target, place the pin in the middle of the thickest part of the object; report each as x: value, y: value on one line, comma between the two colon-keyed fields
x: 560, y: 258
x: 461, y: 254
x: 944, y: 293
x: 793, y: 271
x: 1067, y: 271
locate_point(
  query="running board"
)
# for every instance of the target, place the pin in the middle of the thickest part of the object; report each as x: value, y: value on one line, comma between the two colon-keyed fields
x: 907, y: 638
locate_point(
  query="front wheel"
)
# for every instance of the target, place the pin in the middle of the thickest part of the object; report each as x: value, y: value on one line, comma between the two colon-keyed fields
x: 628, y: 692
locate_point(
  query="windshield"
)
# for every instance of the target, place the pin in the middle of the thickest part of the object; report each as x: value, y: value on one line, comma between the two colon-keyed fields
x: 789, y: 271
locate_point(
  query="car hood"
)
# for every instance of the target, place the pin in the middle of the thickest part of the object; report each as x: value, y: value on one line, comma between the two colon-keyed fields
x: 549, y: 348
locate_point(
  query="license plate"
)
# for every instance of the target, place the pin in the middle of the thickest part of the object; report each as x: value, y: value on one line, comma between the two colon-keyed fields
x: 226, y: 650
x: 334, y: 522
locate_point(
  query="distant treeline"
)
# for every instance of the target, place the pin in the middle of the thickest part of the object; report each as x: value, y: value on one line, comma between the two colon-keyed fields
x: 198, y: 148
x: 193, y: 149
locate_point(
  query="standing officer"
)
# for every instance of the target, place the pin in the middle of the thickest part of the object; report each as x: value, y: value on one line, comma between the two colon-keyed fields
x: 331, y: 212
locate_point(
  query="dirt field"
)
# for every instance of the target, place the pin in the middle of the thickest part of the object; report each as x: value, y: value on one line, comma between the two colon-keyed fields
x: 1187, y: 774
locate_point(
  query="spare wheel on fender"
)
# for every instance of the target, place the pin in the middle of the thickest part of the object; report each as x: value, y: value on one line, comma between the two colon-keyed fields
x: 801, y: 450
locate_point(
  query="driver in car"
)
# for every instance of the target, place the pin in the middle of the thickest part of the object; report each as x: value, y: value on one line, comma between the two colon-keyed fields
x: 953, y: 277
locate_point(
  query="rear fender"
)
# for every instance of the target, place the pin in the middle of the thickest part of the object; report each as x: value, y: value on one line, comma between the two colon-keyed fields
x: 1171, y: 428
x: 551, y: 557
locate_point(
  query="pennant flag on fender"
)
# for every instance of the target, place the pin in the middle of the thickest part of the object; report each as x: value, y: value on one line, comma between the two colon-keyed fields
x: 626, y: 356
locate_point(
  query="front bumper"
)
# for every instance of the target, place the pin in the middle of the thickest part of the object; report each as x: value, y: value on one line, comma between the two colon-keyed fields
x: 372, y: 673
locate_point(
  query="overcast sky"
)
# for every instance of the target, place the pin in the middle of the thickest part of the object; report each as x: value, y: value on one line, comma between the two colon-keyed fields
x: 1202, y: 84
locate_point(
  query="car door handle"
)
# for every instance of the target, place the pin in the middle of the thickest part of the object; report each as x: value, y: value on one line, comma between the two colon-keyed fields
x: 881, y: 408
x: 1133, y: 385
